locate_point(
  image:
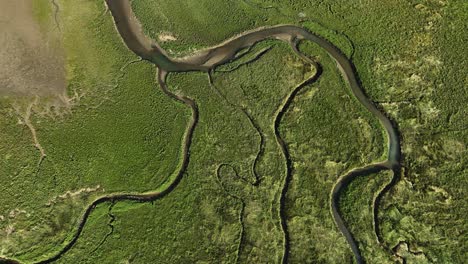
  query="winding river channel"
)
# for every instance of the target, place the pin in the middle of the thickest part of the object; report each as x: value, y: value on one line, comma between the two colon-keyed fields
x: 207, y: 60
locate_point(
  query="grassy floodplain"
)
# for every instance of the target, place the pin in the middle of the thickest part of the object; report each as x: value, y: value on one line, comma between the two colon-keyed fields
x: 119, y: 133
x: 112, y: 132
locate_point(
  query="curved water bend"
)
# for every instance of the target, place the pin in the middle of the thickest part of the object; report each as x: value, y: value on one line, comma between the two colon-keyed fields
x: 207, y: 59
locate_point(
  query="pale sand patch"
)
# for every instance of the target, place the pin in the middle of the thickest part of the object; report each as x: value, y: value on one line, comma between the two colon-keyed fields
x: 166, y: 37
x: 30, y: 62
x: 73, y: 194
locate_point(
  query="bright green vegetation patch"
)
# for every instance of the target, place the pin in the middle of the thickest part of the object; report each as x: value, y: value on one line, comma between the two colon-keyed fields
x: 126, y: 141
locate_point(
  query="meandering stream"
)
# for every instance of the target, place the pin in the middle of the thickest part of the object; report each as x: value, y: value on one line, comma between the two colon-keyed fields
x: 207, y: 60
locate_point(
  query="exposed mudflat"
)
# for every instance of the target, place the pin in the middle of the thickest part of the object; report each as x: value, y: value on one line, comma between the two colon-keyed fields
x: 31, y: 61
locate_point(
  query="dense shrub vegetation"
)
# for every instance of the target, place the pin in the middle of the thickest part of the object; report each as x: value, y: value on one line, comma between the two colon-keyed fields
x: 120, y: 133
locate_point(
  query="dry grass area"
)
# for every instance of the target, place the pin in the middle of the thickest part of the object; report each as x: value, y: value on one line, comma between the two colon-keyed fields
x: 31, y: 61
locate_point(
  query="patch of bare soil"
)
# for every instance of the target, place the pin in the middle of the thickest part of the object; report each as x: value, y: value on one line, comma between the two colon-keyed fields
x: 166, y: 37
x: 31, y: 61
